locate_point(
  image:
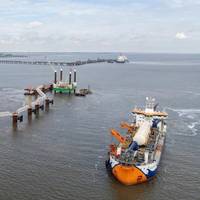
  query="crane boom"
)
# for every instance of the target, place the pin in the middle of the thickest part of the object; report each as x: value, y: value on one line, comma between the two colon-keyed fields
x: 117, y: 135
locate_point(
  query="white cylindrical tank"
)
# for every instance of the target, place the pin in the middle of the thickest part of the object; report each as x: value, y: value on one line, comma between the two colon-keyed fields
x: 142, y: 135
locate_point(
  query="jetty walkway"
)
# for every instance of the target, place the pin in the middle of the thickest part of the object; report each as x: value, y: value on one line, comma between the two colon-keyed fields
x: 75, y: 63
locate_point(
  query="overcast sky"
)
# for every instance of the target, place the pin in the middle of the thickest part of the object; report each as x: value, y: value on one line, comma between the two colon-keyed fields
x: 100, y: 25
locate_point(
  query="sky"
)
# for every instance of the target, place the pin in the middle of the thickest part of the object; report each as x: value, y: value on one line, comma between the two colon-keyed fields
x: 163, y: 26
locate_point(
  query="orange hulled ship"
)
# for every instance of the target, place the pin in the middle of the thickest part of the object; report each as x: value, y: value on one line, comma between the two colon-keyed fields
x: 136, y: 156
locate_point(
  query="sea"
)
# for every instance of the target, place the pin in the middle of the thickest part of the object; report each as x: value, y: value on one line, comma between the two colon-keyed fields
x: 61, y: 155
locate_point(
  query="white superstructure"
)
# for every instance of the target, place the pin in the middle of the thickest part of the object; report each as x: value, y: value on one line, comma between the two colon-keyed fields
x: 121, y: 59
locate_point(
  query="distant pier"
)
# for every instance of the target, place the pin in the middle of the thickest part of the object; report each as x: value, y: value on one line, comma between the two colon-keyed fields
x: 75, y: 63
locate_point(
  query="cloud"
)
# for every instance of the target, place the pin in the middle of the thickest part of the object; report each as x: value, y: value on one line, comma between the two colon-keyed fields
x: 180, y: 36
x: 66, y: 25
x: 34, y: 24
x: 176, y: 4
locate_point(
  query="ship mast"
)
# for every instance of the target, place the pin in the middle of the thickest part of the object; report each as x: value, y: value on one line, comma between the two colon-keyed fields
x: 150, y: 103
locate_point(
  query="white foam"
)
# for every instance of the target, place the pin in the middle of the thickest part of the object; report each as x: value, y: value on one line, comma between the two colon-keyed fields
x: 192, y: 134
x: 182, y: 112
x: 191, y: 92
x: 192, y: 123
x: 100, y: 156
x: 190, y: 117
x: 162, y: 63
x: 187, y: 110
x: 192, y: 126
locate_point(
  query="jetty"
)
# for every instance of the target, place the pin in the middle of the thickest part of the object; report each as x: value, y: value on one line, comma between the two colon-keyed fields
x: 41, y: 102
x: 56, y: 63
x: 36, y: 98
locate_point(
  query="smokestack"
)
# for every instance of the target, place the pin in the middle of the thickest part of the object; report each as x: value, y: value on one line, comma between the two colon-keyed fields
x: 61, y: 74
x: 55, y: 77
x: 70, y: 78
x: 74, y: 76
x: 74, y: 81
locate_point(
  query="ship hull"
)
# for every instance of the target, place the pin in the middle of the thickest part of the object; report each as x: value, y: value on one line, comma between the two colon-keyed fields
x: 120, y: 61
x: 132, y: 174
x: 135, y: 174
x: 128, y: 175
x: 63, y: 90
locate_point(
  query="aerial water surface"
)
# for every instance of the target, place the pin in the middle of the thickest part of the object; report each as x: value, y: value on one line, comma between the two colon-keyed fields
x: 61, y: 155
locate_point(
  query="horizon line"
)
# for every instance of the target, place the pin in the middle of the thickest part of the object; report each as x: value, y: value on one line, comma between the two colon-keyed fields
x: 133, y: 52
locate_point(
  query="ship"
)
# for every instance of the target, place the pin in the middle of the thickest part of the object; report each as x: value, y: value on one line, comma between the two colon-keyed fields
x: 136, y: 156
x: 121, y: 59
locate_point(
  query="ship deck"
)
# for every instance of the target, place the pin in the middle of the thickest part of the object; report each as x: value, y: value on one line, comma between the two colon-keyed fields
x: 138, y: 158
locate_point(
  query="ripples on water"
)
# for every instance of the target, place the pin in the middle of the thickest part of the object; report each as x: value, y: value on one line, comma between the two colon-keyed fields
x: 189, y: 119
x: 61, y: 155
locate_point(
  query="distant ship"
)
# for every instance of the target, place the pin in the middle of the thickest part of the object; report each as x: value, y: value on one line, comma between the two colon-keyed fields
x: 121, y: 59
x: 135, y: 159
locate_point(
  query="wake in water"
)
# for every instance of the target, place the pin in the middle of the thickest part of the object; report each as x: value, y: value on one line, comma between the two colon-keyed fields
x: 163, y: 63
x: 11, y: 94
x: 11, y: 98
x: 189, y: 118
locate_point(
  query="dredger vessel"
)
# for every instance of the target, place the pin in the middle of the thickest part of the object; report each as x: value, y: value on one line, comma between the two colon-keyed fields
x: 136, y: 156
